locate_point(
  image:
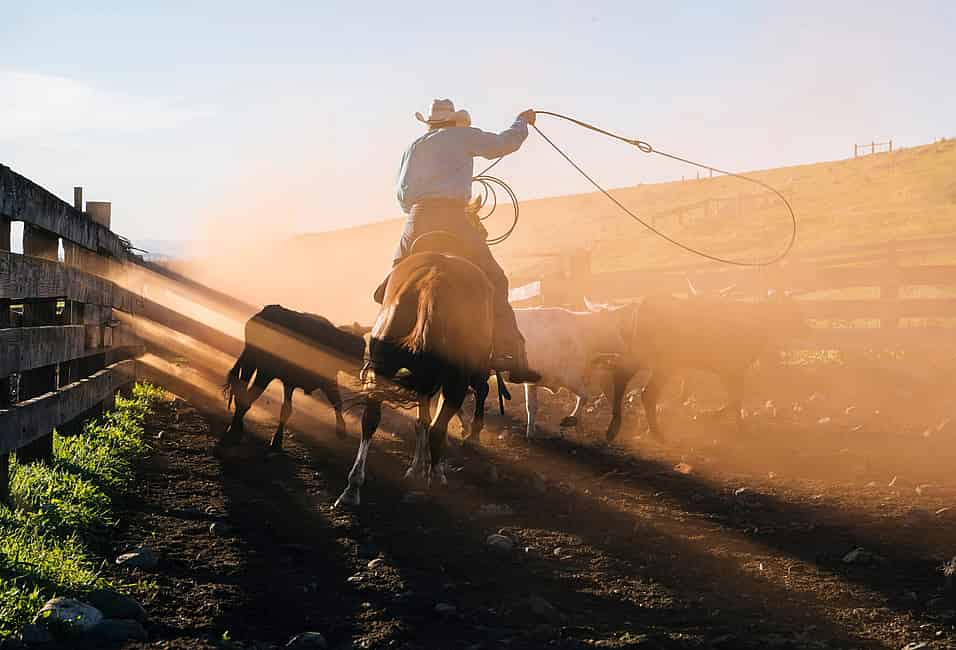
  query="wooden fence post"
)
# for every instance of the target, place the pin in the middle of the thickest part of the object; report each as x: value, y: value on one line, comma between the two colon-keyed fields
x: 39, y: 243
x: 5, y: 381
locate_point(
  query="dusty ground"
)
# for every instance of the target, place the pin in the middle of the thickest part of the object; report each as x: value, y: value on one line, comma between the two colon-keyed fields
x: 636, y: 545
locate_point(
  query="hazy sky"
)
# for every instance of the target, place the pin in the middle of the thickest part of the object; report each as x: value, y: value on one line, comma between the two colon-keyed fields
x: 191, y: 116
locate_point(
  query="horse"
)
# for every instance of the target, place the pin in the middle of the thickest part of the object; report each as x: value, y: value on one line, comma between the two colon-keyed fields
x: 433, y: 334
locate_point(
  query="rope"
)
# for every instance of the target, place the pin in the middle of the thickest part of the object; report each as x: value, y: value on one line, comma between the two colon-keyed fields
x: 645, y: 147
x: 487, y: 183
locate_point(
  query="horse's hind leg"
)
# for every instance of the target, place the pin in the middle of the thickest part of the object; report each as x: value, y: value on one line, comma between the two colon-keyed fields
x: 419, y: 466
x: 480, y: 385
x: 284, y: 413
x: 370, y: 421
x: 453, y: 394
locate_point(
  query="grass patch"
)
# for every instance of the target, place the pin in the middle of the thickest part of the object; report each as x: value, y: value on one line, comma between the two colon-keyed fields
x: 58, y: 509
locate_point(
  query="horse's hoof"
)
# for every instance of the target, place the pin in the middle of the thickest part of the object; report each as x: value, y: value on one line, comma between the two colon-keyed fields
x: 437, y: 475
x: 275, y: 446
x: 569, y: 421
x: 416, y: 473
x: 348, y: 498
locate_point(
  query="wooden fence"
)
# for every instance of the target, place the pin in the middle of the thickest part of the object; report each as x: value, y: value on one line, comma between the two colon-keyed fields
x: 872, y: 148
x: 893, y: 294
x: 64, y: 352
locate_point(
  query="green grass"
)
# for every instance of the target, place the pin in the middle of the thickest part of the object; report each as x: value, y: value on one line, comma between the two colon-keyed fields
x: 60, y: 509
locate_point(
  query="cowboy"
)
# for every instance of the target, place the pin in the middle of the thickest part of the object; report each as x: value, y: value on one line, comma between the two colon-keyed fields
x: 434, y: 189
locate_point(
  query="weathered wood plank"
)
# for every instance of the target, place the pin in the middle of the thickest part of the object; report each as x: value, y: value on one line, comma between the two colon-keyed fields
x: 23, y: 200
x: 173, y: 320
x: 26, y: 421
x: 26, y: 348
x: 32, y: 278
x: 875, y: 337
x: 803, y: 279
x: 880, y: 308
x: 928, y: 275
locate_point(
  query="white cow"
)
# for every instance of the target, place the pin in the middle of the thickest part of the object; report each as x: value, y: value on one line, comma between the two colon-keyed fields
x: 565, y: 346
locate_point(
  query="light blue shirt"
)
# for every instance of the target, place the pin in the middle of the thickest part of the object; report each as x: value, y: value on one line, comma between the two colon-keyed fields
x: 440, y: 164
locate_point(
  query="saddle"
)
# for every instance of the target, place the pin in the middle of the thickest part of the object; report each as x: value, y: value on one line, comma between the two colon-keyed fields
x: 437, y: 241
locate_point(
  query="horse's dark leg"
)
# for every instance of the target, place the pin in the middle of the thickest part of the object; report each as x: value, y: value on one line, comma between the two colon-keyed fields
x: 649, y: 396
x: 370, y: 421
x: 453, y: 394
x: 331, y: 391
x: 419, y: 466
x: 284, y: 414
x: 480, y: 385
x: 621, y: 378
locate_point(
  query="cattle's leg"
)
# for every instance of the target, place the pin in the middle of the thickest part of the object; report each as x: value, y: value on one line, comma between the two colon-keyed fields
x: 572, y: 420
x: 419, y: 466
x: 621, y: 379
x: 649, y: 396
x: 735, y: 384
x: 284, y: 414
x: 531, y: 406
x: 334, y: 396
x: 245, y: 398
x: 480, y: 385
x: 453, y: 394
x: 370, y: 422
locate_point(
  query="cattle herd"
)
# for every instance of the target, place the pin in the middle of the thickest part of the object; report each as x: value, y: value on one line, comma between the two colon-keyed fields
x: 433, y: 337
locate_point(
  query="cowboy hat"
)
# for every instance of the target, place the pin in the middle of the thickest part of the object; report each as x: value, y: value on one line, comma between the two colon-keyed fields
x: 443, y: 111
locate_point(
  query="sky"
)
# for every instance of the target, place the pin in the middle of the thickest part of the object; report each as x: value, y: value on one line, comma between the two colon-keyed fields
x: 197, y: 117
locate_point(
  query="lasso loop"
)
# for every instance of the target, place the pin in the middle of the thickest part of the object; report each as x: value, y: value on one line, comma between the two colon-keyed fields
x: 647, y: 148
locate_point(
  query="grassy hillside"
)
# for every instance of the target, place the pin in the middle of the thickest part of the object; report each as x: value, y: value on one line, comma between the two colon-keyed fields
x: 905, y: 194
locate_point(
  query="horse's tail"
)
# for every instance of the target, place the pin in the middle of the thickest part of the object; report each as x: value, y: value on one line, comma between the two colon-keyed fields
x: 422, y: 337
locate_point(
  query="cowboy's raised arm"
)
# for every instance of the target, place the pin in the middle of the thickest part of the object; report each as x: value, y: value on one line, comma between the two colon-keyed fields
x: 494, y: 145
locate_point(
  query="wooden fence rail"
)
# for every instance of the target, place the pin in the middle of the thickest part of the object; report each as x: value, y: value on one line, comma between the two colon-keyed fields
x: 63, y: 352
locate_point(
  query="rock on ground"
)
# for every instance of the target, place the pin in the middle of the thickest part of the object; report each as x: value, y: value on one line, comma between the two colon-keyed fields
x: 115, y: 605
x: 140, y: 558
x: 72, y: 612
x: 116, y: 630
x: 311, y: 640
x: 500, y: 543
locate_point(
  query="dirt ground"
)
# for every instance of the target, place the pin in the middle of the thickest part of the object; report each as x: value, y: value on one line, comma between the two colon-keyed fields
x: 710, y: 540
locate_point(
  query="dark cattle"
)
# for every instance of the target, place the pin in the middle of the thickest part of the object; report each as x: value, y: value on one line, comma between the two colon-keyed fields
x: 707, y: 333
x: 303, y: 351
x: 433, y: 334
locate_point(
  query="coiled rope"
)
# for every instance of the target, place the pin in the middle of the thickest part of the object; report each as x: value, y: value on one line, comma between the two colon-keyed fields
x: 645, y: 147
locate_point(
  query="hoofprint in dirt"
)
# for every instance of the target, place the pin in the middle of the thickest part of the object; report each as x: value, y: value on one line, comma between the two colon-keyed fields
x: 621, y: 547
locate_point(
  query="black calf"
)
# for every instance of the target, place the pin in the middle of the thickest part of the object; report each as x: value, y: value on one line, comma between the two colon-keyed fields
x: 302, y: 351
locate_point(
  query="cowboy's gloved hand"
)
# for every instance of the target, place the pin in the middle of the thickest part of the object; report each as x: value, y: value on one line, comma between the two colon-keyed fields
x: 527, y: 116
